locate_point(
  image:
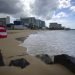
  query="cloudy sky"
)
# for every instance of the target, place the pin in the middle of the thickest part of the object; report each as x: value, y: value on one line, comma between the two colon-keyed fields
x: 61, y: 11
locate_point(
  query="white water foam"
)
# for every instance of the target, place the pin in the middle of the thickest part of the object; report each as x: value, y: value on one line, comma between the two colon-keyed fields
x: 51, y: 43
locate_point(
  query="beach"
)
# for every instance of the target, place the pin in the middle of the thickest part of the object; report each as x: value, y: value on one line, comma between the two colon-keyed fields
x: 11, y: 50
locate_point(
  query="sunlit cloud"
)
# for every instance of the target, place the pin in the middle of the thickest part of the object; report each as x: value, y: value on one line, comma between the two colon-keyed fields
x: 72, y: 8
x: 60, y: 15
x: 64, y: 4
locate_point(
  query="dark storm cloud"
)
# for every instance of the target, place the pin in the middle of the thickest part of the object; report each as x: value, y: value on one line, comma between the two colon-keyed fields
x: 44, y: 8
x: 39, y: 8
x: 10, y: 6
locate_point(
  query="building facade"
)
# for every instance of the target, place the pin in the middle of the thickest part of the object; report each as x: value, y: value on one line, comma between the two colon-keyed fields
x: 4, y: 21
x: 17, y: 23
x: 55, y: 26
x: 28, y: 20
x: 32, y: 22
x: 40, y: 23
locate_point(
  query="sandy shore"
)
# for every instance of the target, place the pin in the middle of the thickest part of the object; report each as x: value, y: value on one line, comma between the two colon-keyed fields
x: 11, y: 50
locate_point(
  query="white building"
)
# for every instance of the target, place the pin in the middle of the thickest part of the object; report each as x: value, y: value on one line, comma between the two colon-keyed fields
x: 33, y: 21
x: 19, y: 27
x: 55, y: 26
x: 4, y: 21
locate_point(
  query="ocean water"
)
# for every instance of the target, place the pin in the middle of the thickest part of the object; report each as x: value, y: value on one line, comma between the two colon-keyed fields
x: 51, y: 42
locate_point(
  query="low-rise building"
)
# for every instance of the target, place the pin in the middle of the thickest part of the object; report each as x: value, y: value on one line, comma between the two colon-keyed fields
x: 17, y: 22
x: 18, y: 25
x: 10, y: 26
x: 55, y: 26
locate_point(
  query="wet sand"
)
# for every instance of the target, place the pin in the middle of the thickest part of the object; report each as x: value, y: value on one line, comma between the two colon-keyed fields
x: 11, y: 50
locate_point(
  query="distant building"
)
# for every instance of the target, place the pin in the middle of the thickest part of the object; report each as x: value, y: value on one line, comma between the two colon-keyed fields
x: 32, y: 22
x: 40, y: 23
x: 59, y: 26
x: 5, y: 21
x: 55, y: 26
x: 10, y: 26
x: 17, y: 23
x: 28, y: 20
x: 19, y: 27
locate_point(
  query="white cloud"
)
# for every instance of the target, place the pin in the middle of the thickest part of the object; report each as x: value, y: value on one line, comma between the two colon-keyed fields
x: 60, y: 15
x: 44, y: 9
x: 59, y: 18
x: 27, y: 3
x: 27, y: 7
x: 64, y: 22
x: 64, y: 4
x: 72, y: 8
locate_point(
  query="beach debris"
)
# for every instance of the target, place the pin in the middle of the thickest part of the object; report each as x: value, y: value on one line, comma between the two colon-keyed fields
x: 66, y: 60
x: 1, y: 59
x: 22, y: 63
x: 21, y: 39
x: 45, y: 58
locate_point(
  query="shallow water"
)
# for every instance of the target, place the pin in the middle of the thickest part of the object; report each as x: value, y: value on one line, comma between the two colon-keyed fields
x: 51, y: 42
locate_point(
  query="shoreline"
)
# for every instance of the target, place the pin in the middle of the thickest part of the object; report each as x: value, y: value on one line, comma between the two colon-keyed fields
x: 10, y: 50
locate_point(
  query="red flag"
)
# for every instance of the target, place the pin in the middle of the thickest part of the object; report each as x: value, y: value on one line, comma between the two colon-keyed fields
x: 3, y: 33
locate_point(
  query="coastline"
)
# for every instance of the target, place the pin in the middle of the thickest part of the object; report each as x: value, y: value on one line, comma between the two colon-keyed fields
x: 10, y: 50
